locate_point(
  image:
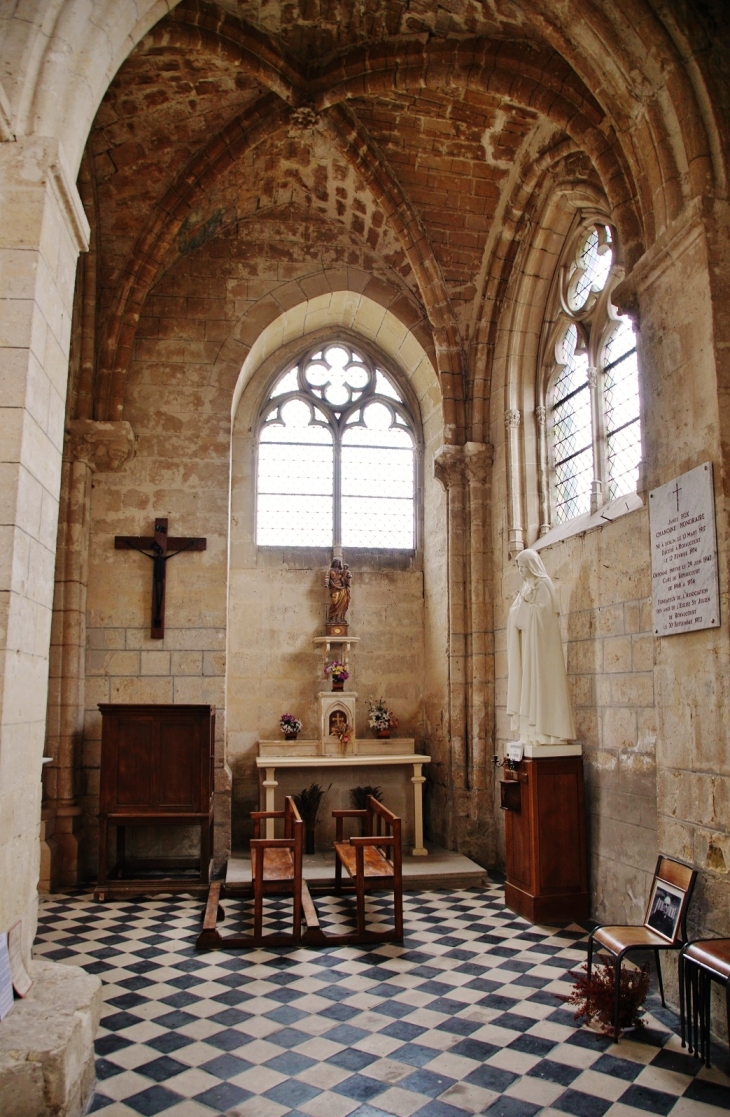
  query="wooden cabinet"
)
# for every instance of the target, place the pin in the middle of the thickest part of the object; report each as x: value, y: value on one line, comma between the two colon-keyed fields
x: 547, y: 874
x: 156, y: 770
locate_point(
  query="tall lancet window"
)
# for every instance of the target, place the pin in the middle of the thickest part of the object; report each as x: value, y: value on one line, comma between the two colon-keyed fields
x: 336, y: 458
x: 593, y: 392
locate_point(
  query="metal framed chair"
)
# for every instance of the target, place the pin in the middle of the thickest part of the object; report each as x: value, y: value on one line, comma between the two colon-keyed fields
x: 664, y: 926
x: 701, y: 963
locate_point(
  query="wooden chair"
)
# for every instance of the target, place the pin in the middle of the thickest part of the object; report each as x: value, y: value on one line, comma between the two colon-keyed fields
x: 276, y: 867
x: 664, y: 926
x: 701, y: 963
x: 372, y: 862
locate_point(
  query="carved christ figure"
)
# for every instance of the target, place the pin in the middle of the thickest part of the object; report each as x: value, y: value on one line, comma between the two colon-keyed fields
x: 338, y: 583
x: 537, y: 689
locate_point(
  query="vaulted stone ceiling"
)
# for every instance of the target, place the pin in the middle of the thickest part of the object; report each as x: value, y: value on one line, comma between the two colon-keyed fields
x: 398, y: 135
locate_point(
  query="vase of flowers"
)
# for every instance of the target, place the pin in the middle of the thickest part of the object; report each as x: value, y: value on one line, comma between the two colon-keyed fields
x: 338, y: 673
x: 290, y: 726
x: 380, y: 718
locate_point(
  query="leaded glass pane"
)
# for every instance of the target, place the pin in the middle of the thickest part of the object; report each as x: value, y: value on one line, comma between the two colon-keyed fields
x: 295, y: 468
x: 296, y: 425
x: 288, y: 383
x: 572, y: 432
x: 292, y: 521
x: 593, y: 263
x: 621, y: 403
x: 377, y: 522
x: 377, y: 485
x: 374, y: 471
x: 325, y: 432
x: 384, y: 387
x: 396, y: 436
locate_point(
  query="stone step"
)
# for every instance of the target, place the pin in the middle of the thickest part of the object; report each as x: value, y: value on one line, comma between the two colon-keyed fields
x: 441, y: 869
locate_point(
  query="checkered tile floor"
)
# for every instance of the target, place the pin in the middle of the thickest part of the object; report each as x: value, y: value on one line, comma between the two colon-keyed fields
x: 461, y: 1019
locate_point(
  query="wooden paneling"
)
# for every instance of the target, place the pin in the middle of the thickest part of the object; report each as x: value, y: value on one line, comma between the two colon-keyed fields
x: 547, y: 877
x: 156, y: 768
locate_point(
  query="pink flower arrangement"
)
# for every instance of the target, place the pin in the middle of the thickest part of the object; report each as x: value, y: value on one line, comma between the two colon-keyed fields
x: 338, y: 671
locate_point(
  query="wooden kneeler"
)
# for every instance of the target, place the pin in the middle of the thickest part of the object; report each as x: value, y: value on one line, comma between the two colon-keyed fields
x: 276, y: 867
x: 372, y: 862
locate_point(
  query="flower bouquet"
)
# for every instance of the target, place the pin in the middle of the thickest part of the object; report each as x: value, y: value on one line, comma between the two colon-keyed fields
x: 380, y: 718
x: 344, y: 734
x: 339, y: 674
x: 290, y: 726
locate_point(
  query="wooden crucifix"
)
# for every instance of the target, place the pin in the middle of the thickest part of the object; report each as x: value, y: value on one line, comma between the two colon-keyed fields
x: 158, y: 544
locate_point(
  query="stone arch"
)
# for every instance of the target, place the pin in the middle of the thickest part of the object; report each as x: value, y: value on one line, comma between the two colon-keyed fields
x: 69, y: 51
x: 367, y: 313
x: 518, y: 351
x: 363, y: 319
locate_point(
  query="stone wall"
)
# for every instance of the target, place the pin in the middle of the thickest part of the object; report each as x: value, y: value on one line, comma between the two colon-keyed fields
x: 179, y: 406
x: 277, y: 606
x: 650, y: 712
x: 604, y: 584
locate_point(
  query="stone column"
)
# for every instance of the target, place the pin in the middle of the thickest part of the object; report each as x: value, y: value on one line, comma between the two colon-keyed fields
x: 515, y: 539
x: 543, y: 476
x: 478, y: 458
x: 465, y: 471
x: 449, y: 470
x: 42, y: 230
x: 599, y: 440
x: 475, y: 820
x: 90, y: 447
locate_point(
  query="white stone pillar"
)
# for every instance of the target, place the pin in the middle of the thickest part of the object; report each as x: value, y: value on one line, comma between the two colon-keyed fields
x: 43, y: 228
x: 516, y: 540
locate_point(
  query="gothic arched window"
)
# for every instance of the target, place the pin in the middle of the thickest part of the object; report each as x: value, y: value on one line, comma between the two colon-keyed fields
x: 593, y: 396
x: 336, y: 456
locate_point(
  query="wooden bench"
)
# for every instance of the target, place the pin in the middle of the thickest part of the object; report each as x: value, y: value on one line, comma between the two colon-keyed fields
x: 276, y: 867
x: 372, y: 862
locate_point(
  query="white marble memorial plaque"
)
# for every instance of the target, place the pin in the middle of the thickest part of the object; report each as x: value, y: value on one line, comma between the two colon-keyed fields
x: 6, y: 978
x: 684, y: 554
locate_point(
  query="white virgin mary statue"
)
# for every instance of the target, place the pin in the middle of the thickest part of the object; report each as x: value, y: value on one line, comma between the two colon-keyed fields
x: 537, y: 689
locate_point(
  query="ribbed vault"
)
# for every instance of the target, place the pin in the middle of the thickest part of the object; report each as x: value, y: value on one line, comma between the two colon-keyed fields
x: 428, y: 140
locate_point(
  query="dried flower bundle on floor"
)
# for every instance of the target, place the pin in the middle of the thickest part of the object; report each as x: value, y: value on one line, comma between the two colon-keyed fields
x: 594, y: 997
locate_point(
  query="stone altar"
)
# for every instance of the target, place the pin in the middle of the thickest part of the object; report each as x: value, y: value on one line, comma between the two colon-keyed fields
x: 327, y: 752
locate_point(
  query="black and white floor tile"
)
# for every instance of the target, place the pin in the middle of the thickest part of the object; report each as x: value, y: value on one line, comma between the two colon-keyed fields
x: 461, y: 1019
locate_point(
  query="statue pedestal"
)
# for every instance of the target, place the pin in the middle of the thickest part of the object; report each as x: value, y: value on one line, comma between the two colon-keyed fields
x: 547, y: 873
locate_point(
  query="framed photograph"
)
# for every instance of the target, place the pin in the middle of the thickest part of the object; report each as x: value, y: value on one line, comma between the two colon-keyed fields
x: 665, y: 908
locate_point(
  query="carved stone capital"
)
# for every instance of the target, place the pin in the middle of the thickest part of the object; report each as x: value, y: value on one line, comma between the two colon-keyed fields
x: 478, y: 458
x: 592, y: 376
x: 512, y: 418
x: 449, y: 466
x: 541, y: 415
x: 104, y: 446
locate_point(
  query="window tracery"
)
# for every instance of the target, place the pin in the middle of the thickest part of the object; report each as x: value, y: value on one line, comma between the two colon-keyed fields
x: 336, y: 456
x: 592, y: 398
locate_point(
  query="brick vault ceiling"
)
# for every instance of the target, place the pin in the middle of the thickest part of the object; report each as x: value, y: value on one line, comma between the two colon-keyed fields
x: 437, y: 160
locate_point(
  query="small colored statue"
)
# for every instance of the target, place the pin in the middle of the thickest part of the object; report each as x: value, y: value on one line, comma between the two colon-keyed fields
x: 338, y: 583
